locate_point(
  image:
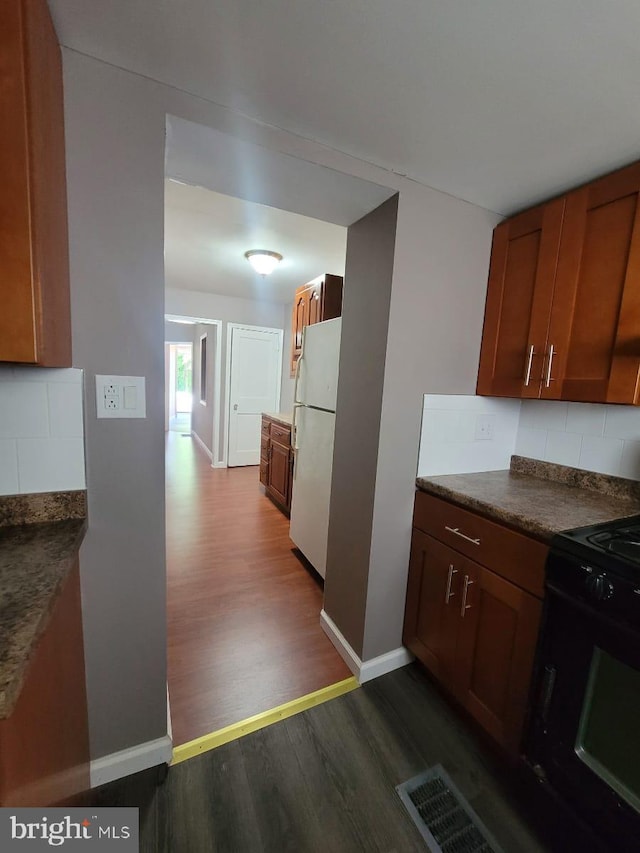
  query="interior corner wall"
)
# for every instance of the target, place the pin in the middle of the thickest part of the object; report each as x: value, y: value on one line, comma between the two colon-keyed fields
x: 433, y: 346
x: 365, y: 317
x: 202, y: 413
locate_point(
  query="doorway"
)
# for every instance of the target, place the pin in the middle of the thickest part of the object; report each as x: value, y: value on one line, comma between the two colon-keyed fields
x: 179, y: 387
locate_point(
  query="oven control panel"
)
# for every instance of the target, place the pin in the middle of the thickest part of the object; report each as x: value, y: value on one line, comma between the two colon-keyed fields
x: 603, y: 590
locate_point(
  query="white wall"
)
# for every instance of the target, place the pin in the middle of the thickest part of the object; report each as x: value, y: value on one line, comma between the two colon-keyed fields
x: 449, y: 438
x: 583, y: 435
x: 41, y: 430
x: 115, y: 130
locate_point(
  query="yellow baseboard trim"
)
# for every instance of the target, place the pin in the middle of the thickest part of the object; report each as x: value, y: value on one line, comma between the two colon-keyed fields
x: 261, y: 721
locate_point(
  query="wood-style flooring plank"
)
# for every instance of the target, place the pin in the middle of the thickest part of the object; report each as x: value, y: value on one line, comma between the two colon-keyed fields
x: 325, y: 780
x: 243, y: 611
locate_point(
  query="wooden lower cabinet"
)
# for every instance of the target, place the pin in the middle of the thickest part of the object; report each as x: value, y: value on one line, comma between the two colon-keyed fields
x: 276, y: 458
x: 475, y: 631
x: 44, y: 743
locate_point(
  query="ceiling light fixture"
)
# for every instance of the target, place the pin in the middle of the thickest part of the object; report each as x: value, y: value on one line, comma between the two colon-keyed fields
x: 263, y: 261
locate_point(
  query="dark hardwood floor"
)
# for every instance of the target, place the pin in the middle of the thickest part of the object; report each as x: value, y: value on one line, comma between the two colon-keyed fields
x: 324, y: 780
x: 243, y: 613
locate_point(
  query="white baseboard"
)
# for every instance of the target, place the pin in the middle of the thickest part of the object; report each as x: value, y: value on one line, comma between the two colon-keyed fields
x: 202, y: 445
x: 131, y: 760
x: 363, y: 670
x: 219, y: 464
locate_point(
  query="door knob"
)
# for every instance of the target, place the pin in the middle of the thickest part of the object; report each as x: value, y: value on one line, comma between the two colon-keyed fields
x: 235, y: 407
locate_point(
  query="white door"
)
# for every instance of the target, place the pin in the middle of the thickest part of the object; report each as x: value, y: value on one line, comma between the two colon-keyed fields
x: 256, y: 369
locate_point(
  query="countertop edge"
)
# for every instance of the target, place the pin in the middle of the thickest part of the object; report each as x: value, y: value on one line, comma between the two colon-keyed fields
x: 284, y: 418
x: 501, y: 516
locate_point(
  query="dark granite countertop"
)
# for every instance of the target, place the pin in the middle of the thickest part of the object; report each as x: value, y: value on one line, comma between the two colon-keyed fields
x: 539, y: 498
x: 35, y: 560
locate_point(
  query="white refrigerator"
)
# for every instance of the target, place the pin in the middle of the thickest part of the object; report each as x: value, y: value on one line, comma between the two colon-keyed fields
x: 312, y: 435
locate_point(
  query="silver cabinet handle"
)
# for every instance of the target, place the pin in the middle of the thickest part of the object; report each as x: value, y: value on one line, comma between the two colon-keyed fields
x: 465, y: 606
x: 552, y: 352
x: 527, y: 376
x: 448, y: 593
x: 461, y: 535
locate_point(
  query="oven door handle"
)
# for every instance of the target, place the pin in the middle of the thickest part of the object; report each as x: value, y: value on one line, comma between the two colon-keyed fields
x: 546, y: 691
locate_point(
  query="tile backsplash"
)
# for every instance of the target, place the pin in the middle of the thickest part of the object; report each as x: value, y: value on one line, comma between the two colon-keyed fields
x: 453, y: 436
x: 602, y: 438
x: 41, y: 430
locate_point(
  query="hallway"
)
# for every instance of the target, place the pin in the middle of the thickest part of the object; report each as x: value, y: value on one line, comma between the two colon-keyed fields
x: 243, y: 613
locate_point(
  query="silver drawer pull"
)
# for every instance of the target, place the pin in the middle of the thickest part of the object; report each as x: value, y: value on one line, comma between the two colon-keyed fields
x: 527, y: 377
x: 465, y: 606
x: 448, y: 593
x: 461, y: 535
x: 550, y: 379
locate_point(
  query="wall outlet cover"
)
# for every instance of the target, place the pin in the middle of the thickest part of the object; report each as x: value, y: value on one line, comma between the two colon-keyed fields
x: 120, y: 396
x: 485, y: 427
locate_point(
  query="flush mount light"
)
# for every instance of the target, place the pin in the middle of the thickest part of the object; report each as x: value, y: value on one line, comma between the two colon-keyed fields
x: 263, y: 261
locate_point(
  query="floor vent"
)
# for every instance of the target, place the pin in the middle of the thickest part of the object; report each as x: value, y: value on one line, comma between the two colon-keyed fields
x: 443, y: 817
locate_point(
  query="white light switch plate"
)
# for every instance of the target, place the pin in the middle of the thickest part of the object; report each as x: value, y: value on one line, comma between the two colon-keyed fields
x: 120, y: 397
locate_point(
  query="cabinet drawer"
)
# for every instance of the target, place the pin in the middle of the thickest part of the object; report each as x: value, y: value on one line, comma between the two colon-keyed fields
x: 264, y: 446
x: 512, y: 555
x: 265, y: 426
x: 281, y: 434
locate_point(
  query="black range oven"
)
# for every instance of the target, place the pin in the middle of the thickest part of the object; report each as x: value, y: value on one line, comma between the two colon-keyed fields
x: 584, y: 735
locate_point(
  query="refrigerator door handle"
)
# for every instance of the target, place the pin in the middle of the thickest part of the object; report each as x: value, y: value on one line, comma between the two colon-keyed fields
x: 296, y: 405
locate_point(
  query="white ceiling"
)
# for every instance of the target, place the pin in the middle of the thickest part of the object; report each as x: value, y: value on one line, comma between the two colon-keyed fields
x: 207, y: 234
x: 501, y: 102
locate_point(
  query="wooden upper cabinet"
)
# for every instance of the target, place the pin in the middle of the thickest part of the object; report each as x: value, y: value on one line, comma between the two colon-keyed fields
x: 562, y: 317
x: 34, y: 266
x: 524, y: 256
x: 595, y: 320
x: 314, y: 302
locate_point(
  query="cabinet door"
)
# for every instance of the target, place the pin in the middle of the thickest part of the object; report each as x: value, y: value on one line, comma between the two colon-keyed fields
x: 279, y: 471
x: 299, y: 319
x: 596, y: 306
x: 433, y: 601
x: 315, y: 304
x: 35, y: 325
x: 519, y: 294
x: 494, y: 658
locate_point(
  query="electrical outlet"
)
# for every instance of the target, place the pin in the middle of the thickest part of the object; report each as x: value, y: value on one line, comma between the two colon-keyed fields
x: 485, y: 427
x: 120, y: 397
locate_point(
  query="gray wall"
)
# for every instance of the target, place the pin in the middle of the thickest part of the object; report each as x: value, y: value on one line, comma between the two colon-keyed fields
x: 202, y: 415
x: 115, y: 164
x: 115, y: 172
x: 365, y: 318
x: 178, y: 333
